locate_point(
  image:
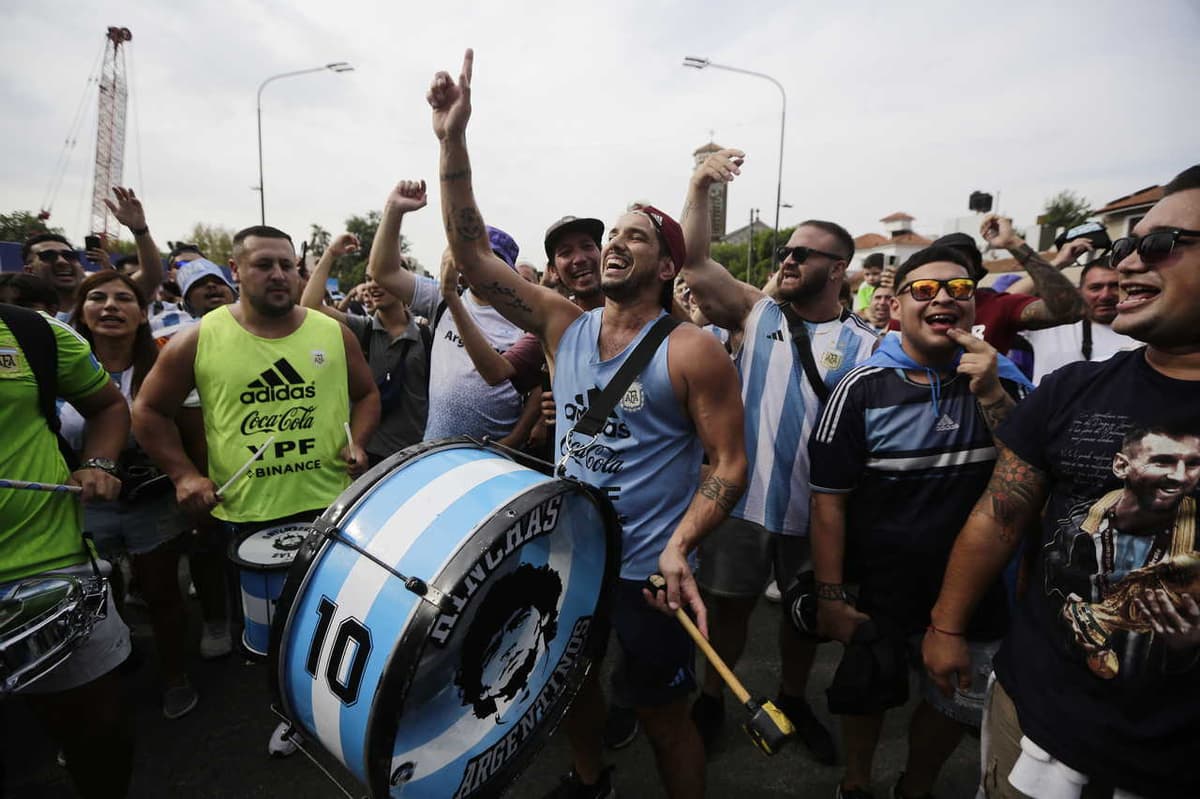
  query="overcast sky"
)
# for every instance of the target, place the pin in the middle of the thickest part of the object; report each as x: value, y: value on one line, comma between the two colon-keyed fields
x: 581, y: 108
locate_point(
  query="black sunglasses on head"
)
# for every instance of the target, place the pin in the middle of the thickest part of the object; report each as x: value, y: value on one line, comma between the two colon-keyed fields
x: 801, y: 254
x: 50, y: 256
x: 1153, y: 247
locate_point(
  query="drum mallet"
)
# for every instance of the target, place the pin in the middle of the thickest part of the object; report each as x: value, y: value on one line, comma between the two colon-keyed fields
x: 767, y: 726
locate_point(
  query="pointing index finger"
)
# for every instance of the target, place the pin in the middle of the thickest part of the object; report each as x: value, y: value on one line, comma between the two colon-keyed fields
x: 468, y: 66
x: 968, y: 342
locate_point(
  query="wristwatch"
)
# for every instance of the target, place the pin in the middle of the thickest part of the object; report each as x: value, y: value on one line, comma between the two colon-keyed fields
x: 103, y: 464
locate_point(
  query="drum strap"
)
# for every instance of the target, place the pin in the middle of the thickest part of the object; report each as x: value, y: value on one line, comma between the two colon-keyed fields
x: 598, y: 409
x: 37, y: 342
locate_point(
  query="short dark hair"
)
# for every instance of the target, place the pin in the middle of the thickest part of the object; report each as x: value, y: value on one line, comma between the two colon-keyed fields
x: 1187, y: 179
x: 30, y: 289
x: 179, y: 248
x: 27, y: 247
x: 844, y: 239
x: 121, y: 260
x: 873, y: 261
x: 1099, y: 263
x: 1178, y: 426
x: 262, y: 232
x: 930, y: 255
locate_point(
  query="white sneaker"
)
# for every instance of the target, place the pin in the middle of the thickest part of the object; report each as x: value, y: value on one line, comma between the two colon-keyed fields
x: 283, y: 740
x: 772, y: 593
x: 214, y: 640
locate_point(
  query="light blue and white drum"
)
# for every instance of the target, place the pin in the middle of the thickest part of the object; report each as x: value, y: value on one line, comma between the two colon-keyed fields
x: 263, y: 558
x: 438, y: 621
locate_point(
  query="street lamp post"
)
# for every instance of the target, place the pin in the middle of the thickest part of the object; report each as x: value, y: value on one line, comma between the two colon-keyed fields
x: 336, y: 66
x: 750, y: 249
x: 701, y: 63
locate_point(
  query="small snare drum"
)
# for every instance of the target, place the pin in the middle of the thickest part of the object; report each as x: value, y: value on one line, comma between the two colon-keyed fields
x: 263, y: 558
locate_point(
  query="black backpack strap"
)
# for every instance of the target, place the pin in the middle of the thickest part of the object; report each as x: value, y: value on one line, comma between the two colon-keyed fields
x: 804, y: 350
x: 603, y: 403
x: 437, y: 315
x: 1086, y: 349
x: 37, y: 342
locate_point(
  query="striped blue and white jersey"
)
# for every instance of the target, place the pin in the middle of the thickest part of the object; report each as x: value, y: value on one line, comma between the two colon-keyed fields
x: 782, y: 409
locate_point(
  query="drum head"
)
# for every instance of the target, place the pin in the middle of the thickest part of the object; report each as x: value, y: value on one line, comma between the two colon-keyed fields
x: 449, y: 700
x: 271, y: 547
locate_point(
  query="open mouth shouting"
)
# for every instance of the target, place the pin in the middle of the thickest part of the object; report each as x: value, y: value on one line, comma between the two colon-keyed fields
x: 1134, y: 295
x: 941, y: 321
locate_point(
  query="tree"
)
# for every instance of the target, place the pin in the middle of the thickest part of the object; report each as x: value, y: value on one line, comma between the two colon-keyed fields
x: 318, y: 240
x: 1065, y: 210
x: 350, y: 270
x: 733, y: 256
x: 214, y: 241
x: 21, y: 225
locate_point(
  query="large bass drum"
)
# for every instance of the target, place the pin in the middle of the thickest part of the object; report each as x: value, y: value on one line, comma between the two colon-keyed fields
x: 436, y: 624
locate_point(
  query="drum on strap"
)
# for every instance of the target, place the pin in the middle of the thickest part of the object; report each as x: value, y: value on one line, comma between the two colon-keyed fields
x: 263, y: 558
x: 438, y: 621
x: 42, y: 619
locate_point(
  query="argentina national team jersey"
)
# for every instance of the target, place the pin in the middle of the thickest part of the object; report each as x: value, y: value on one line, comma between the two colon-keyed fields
x: 782, y: 409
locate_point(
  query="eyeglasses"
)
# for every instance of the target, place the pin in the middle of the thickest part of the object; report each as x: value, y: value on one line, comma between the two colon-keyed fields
x: 50, y: 256
x: 925, y: 289
x: 1153, y: 247
x: 801, y: 254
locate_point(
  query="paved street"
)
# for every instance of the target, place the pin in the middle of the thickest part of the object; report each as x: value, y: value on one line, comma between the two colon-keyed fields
x: 219, y: 750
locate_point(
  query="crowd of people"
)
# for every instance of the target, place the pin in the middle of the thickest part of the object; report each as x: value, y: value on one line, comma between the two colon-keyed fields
x: 1022, y: 540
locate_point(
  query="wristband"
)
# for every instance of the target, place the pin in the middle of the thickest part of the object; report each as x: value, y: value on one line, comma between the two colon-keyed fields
x: 140, y: 231
x: 932, y: 628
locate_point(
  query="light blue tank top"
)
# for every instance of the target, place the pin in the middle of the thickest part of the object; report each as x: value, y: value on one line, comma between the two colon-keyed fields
x: 647, y: 457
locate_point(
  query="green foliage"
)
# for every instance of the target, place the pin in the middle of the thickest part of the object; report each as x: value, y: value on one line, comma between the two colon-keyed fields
x: 733, y: 256
x: 1066, y: 210
x: 318, y: 240
x: 21, y: 225
x: 214, y: 241
x: 121, y: 247
x: 350, y: 270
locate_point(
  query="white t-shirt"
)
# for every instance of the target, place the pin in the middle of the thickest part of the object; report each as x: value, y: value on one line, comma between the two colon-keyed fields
x: 460, y: 401
x: 1055, y: 347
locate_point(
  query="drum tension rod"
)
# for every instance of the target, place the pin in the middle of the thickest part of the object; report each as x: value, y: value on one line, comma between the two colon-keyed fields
x: 416, y: 585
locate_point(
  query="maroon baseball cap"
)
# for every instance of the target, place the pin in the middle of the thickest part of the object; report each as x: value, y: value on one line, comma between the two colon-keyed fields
x: 669, y: 229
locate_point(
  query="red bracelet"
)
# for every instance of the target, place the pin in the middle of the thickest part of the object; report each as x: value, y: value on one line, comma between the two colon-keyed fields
x: 932, y: 628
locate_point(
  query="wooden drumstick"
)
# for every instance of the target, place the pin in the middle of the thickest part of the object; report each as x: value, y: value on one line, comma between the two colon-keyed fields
x: 245, y: 466
x: 29, y: 486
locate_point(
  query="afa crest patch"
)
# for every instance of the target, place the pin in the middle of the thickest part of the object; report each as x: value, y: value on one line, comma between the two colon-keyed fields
x: 831, y: 360
x: 635, y: 397
x: 318, y: 357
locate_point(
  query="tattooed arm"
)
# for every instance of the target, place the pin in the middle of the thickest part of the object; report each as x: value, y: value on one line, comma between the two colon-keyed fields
x: 706, y: 385
x: 1060, y: 303
x: 1011, y: 504
x: 526, y: 305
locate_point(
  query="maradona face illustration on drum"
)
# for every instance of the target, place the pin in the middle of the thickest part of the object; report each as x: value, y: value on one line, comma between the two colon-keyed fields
x: 436, y: 625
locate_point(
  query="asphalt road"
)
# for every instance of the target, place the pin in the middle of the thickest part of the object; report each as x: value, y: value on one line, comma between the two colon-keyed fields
x: 220, y: 748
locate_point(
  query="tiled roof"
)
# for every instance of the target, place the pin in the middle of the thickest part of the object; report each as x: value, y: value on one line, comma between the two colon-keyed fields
x: 911, y: 238
x: 899, y: 216
x: 1146, y: 196
x: 868, y: 241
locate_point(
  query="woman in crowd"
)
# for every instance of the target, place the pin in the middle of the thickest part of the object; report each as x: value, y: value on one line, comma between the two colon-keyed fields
x: 145, y: 524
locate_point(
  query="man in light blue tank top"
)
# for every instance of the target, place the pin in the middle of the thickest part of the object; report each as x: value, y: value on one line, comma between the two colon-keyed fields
x: 647, y: 456
x: 768, y: 529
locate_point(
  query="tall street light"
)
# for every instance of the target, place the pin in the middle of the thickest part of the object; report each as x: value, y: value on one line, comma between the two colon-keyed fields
x: 701, y: 63
x: 336, y: 66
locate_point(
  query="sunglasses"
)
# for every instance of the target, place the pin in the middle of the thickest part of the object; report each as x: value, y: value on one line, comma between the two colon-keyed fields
x: 801, y: 254
x: 925, y: 289
x: 50, y: 256
x: 1153, y: 247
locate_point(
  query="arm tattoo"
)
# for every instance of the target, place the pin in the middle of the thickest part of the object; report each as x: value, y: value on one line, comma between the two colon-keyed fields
x: 1014, y: 496
x: 1061, y: 299
x: 468, y: 224
x: 494, y: 291
x: 459, y: 174
x: 996, y: 412
x: 722, y: 492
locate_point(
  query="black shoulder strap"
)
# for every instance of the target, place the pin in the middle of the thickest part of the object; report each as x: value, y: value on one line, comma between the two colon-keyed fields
x: 37, y: 342
x: 437, y: 315
x: 1087, y: 340
x: 599, y: 408
x: 804, y: 349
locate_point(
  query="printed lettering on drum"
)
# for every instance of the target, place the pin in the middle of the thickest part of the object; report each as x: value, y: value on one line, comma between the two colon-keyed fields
x: 539, y: 521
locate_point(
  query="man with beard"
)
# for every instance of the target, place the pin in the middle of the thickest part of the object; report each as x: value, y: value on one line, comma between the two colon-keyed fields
x: 268, y: 372
x: 685, y: 403
x: 769, y: 527
x: 1091, y: 339
x: 1054, y: 721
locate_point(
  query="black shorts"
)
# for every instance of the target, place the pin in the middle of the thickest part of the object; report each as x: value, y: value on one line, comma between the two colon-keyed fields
x: 658, y: 656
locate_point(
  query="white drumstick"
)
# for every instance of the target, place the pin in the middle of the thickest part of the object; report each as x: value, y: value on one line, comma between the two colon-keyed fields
x: 349, y: 436
x: 28, y: 486
x: 245, y: 466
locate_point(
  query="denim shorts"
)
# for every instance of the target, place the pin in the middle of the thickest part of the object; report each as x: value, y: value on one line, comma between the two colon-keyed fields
x: 737, y: 558
x: 133, y: 528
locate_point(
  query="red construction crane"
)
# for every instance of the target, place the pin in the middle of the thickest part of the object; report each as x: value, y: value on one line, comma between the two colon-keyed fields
x: 110, y: 130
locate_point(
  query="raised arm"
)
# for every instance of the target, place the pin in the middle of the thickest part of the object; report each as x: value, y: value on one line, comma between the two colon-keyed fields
x: 725, y: 300
x: 714, y: 404
x: 493, y: 367
x: 314, y: 291
x: 1011, y: 503
x: 1060, y: 302
x: 1065, y: 257
x: 385, y: 263
x: 129, y: 212
x: 526, y: 305
x: 154, y: 410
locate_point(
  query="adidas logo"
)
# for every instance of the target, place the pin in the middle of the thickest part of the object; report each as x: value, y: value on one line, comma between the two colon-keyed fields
x: 945, y: 424
x: 777, y: 335
x: 278, y: 383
